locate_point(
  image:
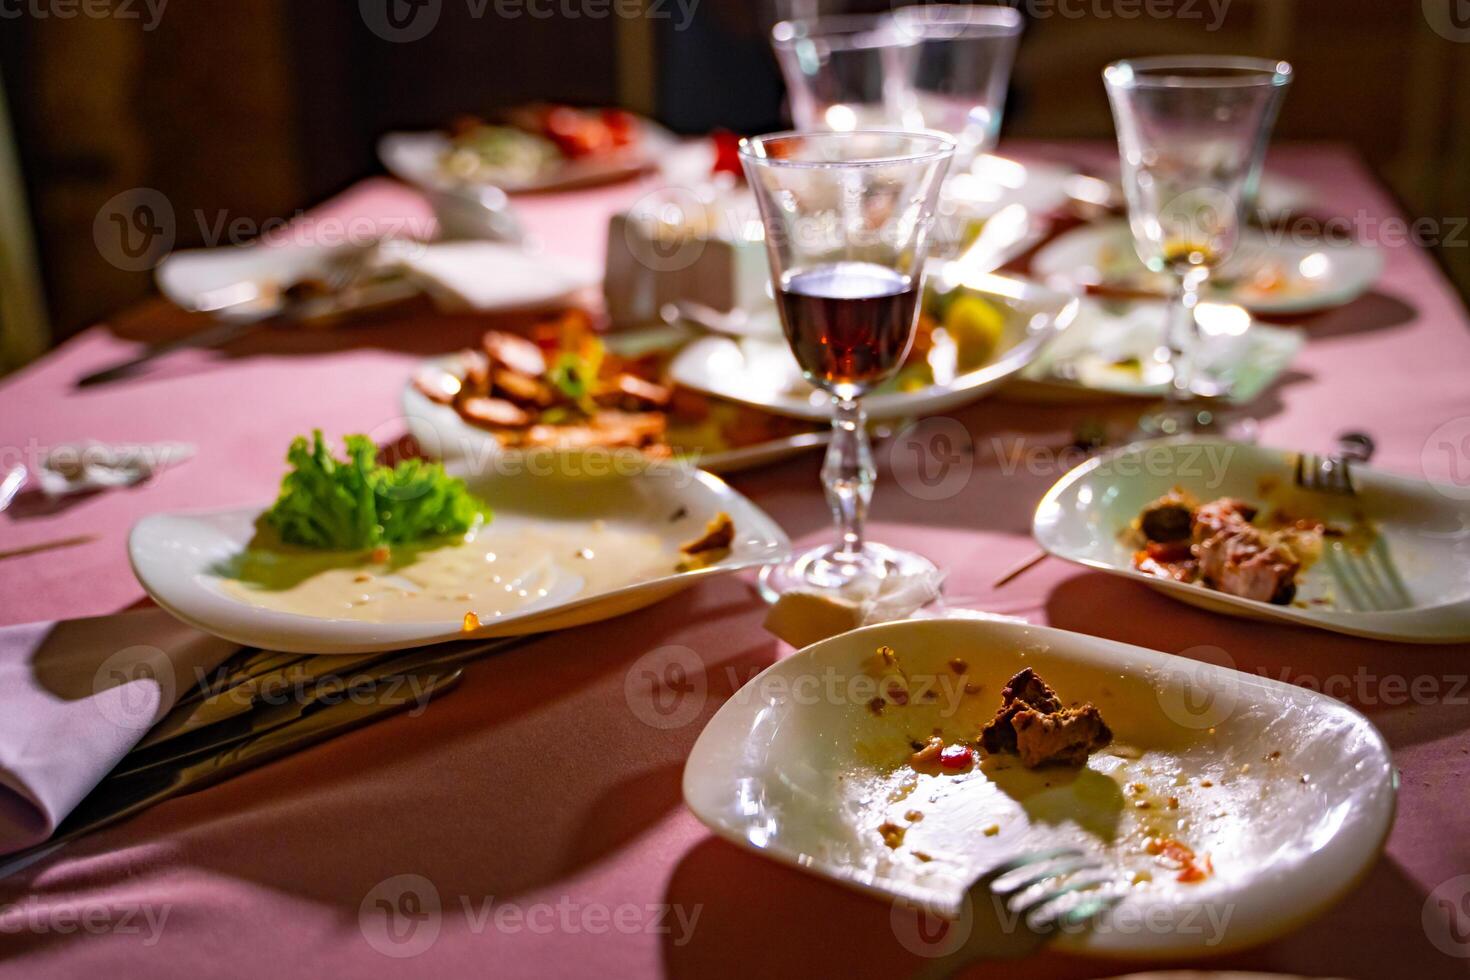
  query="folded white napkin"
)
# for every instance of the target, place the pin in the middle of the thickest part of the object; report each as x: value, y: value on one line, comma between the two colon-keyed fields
x: 78, y: 467
x: 490, y: 276
x: 75, y: 696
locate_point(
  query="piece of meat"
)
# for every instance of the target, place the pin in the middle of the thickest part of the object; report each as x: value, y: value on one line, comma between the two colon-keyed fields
x: 633, y: 391
x: 492, y: 412
x: 1066, y: 737
x: 718, y: 535
x: 522, y: 388
x: 1239, y: 558
x: 1024, y: 690
x: 514, y: 352
x: 437, y: 386
x: 1168, y: 519
x: 1224, y: 514
x: 1032, y: 723
x: 1248, y: 562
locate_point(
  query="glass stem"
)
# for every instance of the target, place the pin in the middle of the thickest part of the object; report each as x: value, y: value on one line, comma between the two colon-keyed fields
x: 1182, y: 335
x: 848, y: 474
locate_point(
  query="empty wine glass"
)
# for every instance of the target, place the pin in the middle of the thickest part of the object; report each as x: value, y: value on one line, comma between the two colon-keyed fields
x: 845, y: 73
x: 1192, y: 133
x: 847, y: 219
x: 959, y: 70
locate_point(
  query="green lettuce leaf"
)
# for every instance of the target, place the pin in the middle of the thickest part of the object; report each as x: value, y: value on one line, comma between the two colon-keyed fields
x: 350, y: 504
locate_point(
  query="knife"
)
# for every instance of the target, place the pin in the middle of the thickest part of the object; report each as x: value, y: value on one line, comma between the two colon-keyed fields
x: 119, y: 797
x: 223, y: 725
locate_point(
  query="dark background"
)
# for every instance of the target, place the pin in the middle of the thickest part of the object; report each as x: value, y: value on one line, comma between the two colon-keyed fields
x: 257, y: 108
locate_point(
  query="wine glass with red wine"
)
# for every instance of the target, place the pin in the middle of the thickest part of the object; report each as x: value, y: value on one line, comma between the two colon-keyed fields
x: 847, y: 221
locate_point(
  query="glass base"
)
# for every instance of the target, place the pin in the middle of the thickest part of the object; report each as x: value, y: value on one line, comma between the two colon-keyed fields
x: 1198, y: 419
x: 859, y: 576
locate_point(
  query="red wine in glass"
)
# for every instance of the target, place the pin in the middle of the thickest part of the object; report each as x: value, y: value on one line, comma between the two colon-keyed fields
x: 849, y: 323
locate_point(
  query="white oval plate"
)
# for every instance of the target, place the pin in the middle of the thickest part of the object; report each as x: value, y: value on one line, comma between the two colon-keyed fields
x: 465, y: 449
x: 1422, y: 568
x: 1103, y: 255
x: 176, y: 557
x: 1245, y: 353
x: 414, y: 158
x: 795, y: 766
x: 764, y: 373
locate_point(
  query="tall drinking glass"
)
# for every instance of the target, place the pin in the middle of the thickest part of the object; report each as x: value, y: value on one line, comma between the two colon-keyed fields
x: 845, y: 73
x: 847, y: 219
x: 959, y: 70
x: 1192, y: 133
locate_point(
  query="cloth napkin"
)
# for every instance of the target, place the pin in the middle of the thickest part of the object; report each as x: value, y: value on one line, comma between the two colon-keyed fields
x: 75, y: 696
x: 489, y: 276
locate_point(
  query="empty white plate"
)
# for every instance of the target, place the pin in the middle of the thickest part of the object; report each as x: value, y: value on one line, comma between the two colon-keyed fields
x: 764, y: 373
x: 1288, y: 792
x: 1295, y: 277
x: 188, y: 562
x: 1109, y: 350
x: 1412, y: 584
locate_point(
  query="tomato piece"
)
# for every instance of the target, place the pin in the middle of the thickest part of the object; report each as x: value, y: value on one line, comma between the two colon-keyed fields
x: 957, y: 757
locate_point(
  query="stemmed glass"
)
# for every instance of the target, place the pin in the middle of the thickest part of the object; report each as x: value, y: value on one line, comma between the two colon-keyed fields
x: 958, y: 71
x: 1192, y: 133
x: 844, y: 73
x: 847, y: 219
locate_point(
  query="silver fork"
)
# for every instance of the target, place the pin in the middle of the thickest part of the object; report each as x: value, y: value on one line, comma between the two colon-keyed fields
x: 1367, y: 581
x: 232, y: 304
x: 1332, y: 474
x: 1008, y: 908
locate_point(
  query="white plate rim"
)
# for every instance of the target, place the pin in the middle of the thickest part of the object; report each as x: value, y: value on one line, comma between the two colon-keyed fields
x: 933, y: 399
x: 1105, y: 654
x: 1426, y: 624
x: 219, y: 615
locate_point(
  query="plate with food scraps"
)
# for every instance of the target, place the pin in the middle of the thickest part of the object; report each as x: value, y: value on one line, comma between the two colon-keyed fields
x: 908, y: 759
x: 356, y: 556
x: 567, y: 387
x: 975, y: 333
x: 535, y: 148
x: 1274, y: 277
x: 1112, y: 347
x: 1225, y: 527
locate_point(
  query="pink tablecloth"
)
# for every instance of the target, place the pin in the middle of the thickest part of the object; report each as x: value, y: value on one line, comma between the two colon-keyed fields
x: 533, y: 802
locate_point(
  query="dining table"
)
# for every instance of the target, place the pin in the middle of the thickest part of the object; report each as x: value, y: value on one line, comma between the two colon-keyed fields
x: 530, y: 823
